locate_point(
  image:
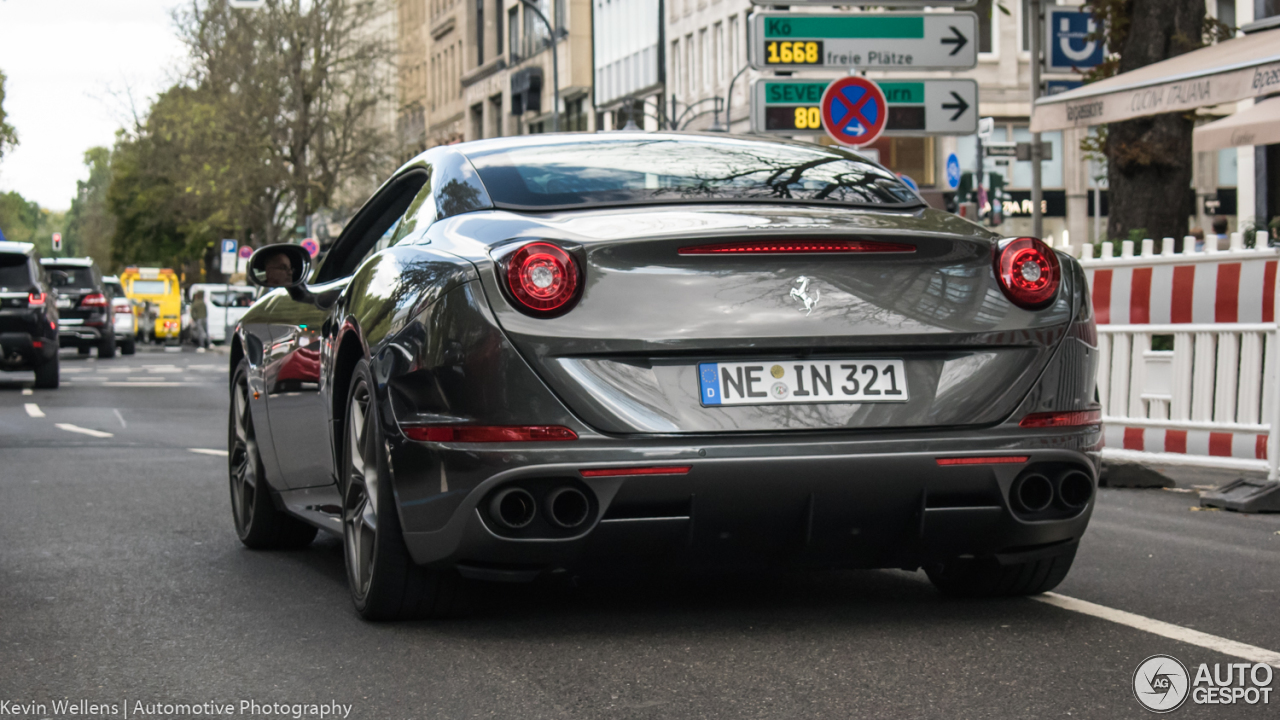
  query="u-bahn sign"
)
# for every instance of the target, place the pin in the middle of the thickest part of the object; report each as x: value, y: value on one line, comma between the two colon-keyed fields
x: 869, y: 41
x: 790, y: 106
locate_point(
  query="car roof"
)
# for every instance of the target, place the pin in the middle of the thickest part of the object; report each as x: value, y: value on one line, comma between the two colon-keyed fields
x: 7, y: 246
x: 70, y: 262
x: 110, y: 279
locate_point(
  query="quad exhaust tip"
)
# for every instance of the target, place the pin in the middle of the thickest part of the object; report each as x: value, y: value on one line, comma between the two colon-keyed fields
x: 567, y: 507
x: 1074, y: 489
x: 1033, y: 493
x: 513, y: 508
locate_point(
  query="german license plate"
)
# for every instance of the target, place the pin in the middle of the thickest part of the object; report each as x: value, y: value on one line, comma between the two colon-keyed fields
x: 802, y: 381
x: 64, y: 302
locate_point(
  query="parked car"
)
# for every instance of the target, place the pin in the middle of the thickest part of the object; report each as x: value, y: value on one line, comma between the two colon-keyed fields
x: 125, y: 315
x: 225, y: 305
x: 85, y: 317
x: 543, y: 352
x: 28, y: 315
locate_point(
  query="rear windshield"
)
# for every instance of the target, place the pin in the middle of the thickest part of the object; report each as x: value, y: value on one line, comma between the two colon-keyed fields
x: 649, y: 170
x: 115, y: 289
x: 233, y: 299
x: 14, y: 273
x: 149, y: 287
x: 78, y: 276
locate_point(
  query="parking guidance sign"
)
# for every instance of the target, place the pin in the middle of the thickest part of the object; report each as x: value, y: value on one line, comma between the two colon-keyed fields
x: 880, y: 41
x: 790, y: 106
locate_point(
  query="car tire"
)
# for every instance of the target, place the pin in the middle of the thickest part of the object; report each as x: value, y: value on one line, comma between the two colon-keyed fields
x: 128, y: 347
x: 107, y: 347
x: 259, y: 523
x: 47, y: 374
x: 988, y: 577
x: 384, y: 581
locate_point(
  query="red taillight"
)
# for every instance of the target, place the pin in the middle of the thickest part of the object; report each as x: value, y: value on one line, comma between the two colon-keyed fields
x: 35, y: 299
x: 625, y: 471
x: 797, y: 247
x: 37, y: 344
x: 1028, y: 270
x: 488, y: 433
x: 1068, y: 418
x: 93, y: 300
x: 990, y: 460
x: 543, y: 278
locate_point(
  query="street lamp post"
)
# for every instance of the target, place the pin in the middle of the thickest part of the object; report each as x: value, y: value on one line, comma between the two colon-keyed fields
x: 555, y: 64
x: 1035, y: 27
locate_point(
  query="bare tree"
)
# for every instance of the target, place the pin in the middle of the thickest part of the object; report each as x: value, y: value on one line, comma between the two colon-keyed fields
x: 296, y: 84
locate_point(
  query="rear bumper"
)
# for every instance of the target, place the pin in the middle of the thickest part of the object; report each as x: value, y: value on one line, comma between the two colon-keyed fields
x: 860, y: 503
x: 77, y: 333
x: 19, y: 350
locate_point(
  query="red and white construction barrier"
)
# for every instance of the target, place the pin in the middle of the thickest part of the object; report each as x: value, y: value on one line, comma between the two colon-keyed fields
x: 1211, y: 400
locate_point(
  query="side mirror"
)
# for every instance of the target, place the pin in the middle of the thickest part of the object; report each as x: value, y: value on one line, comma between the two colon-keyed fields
x: 280, y: 266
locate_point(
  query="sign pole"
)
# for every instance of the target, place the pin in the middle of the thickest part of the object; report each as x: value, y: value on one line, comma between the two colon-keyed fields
x: 1036, y: 28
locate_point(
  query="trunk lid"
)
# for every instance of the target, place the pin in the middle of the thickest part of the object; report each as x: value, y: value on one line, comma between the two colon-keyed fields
x: 626, y: 357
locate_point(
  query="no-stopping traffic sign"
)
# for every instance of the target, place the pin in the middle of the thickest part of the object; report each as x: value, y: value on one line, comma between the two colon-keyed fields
x: 854, y: 111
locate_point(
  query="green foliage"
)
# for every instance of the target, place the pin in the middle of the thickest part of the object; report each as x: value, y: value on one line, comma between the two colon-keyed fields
x: 8, y: 136
x: 22, y: 220
x: 90, y: 224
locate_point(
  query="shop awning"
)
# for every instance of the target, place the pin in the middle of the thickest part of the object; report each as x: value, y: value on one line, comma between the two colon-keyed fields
x: 1258, y: 125
x: 1236, y: 69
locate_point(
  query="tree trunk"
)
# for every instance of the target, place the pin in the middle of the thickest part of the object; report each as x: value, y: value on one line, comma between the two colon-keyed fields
x: 1149, y: 158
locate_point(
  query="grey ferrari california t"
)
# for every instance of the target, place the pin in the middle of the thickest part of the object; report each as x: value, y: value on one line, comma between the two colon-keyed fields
x: 538, y: 353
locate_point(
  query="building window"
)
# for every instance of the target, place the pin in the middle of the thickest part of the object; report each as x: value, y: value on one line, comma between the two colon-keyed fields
x: 704, y: 69
x: 986, y: 27
x: 575, y: 118
x: 734, y: 63
x: 513, y: 33
x: 910, y: 156
x: 1028, y: 22
x: 561, y: 20
x: 676, y: 66
x: 497, y: 29
x: 717, y: 55
x: 1227, y: 12
x: 479, y: 32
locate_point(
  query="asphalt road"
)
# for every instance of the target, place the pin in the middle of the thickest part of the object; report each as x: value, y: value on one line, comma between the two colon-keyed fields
x: 121, y: 581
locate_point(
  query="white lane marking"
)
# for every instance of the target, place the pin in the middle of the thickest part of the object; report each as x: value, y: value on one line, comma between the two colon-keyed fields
x: 28, y: 391
x: 1164, y: 629
x: 33, y: 410
x: 144, y: 384
x: 207, y: 451
x: 84, y: 431
x: 120, y: 417
x: 173, y: 349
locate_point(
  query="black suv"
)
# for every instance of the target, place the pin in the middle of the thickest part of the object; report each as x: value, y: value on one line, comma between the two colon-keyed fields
x: 28, y: 315
x: 86, y: 320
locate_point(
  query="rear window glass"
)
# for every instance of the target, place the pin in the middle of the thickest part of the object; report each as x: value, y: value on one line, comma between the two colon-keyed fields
x: 234, y: 299
x: 14, y: 272
x: 78, y: 276
x: 639, y: 169
x: 149, y: 287
x: 114, y: 288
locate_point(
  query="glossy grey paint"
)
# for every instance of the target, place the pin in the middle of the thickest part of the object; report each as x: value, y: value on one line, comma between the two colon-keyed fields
x: 446, y: 346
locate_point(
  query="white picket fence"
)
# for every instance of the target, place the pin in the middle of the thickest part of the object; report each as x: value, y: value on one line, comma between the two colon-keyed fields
x: 1211, y: 400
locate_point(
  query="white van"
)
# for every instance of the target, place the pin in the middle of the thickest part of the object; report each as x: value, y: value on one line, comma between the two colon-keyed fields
x: 225, y: 305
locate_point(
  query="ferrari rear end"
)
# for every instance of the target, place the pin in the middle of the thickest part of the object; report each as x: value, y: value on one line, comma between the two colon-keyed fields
x: 741, y: 381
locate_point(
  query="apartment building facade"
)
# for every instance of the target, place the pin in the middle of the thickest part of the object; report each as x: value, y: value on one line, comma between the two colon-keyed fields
x: 473, y: 69
x: 705, y: 49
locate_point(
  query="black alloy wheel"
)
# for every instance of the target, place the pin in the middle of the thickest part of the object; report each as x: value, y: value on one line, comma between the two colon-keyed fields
x: 259, y: 524
x: 385, y: 583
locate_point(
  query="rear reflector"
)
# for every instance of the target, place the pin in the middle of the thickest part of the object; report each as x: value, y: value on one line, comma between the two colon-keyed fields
x: 623, y: 472
x: 991, y: 460
x: 488, y: 433
x: 1069, y: 418
x: 797, y: 247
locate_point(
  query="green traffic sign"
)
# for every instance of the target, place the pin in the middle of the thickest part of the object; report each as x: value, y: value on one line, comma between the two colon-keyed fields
x: 863, y: 41
x: 785, y: 106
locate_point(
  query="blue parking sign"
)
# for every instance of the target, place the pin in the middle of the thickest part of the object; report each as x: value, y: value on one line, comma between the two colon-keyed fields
x: 953, y: 171
x: 1070, y: 47
x: 229, y: 247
